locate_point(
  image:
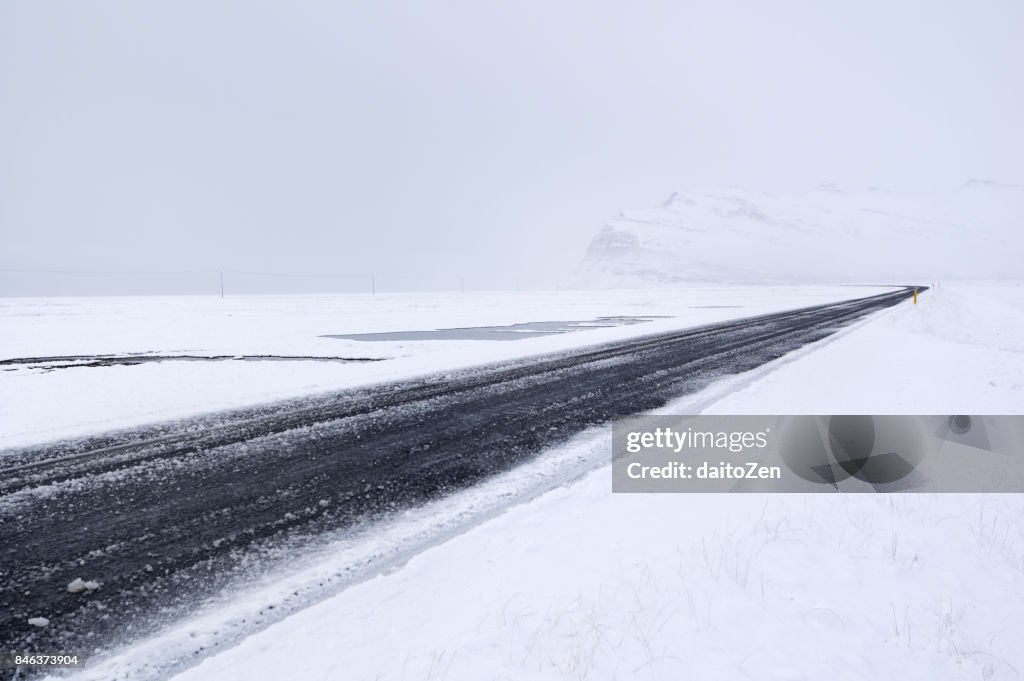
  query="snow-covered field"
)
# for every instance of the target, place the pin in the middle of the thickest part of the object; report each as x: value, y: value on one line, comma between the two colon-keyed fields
x: 580, y: 583
x: 38, y: 405
x: 583, y: 584
x: 961, y: 351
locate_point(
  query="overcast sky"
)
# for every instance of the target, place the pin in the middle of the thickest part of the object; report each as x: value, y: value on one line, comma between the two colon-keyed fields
x: 465, y: 138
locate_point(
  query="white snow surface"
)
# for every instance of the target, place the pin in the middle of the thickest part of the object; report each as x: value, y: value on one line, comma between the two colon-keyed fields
x: 829, y: 234
x: 580, y: 583
x: 960, y: 351
x: 38, y: 406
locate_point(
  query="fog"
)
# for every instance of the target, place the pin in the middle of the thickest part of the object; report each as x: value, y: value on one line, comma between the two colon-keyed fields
x: 476, y: 144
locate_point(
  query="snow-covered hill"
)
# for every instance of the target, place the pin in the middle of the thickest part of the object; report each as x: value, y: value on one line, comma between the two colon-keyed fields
x: 828, y: 234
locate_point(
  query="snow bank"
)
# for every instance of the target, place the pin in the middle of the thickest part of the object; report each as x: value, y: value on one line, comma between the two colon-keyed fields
x: 959, y: 351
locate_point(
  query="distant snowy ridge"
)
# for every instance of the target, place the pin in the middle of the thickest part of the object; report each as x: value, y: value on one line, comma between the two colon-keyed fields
x: 825, y: 235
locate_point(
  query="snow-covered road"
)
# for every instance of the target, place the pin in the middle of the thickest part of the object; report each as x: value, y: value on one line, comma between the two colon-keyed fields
x: 581, y: 583
x: 161, y: 517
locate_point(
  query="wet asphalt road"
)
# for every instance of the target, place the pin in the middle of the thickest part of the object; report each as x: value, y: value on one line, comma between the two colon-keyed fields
x: 164, y: 515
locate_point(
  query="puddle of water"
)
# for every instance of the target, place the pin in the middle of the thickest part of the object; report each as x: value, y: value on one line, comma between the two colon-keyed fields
x: 505, y: 333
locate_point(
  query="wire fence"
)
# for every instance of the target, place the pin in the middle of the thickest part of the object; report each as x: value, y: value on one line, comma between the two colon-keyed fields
x: 16, y: 282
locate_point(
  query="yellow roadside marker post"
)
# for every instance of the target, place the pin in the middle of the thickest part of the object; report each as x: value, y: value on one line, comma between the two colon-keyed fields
x: 915, y: 296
